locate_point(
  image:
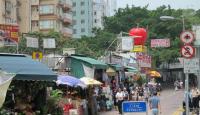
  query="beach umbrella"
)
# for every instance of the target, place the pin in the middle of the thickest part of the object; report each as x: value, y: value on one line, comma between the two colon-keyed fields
x: 70, y: 81
x: 90, y: 81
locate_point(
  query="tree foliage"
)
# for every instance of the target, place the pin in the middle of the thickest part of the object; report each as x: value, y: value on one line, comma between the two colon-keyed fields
x: 130, y: 17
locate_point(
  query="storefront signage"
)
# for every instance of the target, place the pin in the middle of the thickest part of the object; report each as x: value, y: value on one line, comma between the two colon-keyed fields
x: 139, y: 48
x: 160, y: 43
x: 144, y: 60
x: 127, y: 43
x: 191, y: 65
x: 10, y: 32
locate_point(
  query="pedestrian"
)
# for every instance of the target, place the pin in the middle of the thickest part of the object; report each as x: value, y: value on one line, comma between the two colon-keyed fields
x: 154, y: 104
x: 176, y: 85
x: 181, y: 84
x: 119, y: 98
x: 126, y: 94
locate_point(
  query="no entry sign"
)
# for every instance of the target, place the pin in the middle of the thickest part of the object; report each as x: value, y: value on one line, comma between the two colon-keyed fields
x: 187, y: 51
x: 187, y: 37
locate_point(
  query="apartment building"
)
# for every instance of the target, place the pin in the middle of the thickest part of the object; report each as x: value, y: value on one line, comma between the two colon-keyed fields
x: 46, y: 15
x: 110, y: 7
x: 88, y: 14
x: 8, y: 13
x: 98, y: 13
x: 82, y: 11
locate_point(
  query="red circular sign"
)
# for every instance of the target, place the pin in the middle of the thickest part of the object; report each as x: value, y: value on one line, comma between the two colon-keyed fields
x: 187, y: 51
x: 187, y: 37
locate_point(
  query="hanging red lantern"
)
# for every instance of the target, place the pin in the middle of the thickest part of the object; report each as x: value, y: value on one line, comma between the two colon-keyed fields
x: 140, y: 35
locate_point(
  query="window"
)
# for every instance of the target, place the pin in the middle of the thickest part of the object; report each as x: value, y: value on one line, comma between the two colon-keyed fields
x: 95, y: 20
x: 82, y: 12
x: 82, y: 29
x: 74, y: 13
x: 95, y: 13
x: 82, y: 21
x: 82, y: 3
x: 74, y: 31
x: 46, y: 24
x: 74, y: 4
x: 34, y: 23
x: 46, y: 9
x: 8, y: 7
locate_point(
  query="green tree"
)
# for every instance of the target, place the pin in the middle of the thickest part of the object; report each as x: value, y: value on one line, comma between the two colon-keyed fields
x: 130, y: 17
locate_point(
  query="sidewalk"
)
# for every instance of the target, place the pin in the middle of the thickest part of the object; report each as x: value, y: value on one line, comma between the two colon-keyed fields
x: 171, y: 102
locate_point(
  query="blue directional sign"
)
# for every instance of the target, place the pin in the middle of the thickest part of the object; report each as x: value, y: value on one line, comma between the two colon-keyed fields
x: 134, y: 106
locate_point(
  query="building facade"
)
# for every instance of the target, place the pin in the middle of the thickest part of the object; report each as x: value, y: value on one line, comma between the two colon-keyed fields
x: 110, y: 7
x: 98, y: 13
x: 82, y: 11
x: 88, y: 14
x: 38, y: 15
x: 8, y: 12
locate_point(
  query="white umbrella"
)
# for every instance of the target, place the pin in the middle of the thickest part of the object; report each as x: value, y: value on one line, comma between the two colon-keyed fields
x: 90, y: 81
x: 5, y: 80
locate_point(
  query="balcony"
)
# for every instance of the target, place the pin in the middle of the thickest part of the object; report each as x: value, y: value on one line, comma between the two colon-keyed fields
x: 35, y: 16
x: 65, y: 4
x: 67, y: 18
x: 35, y: 28
x: 67, y: 32
x: 35, y: 2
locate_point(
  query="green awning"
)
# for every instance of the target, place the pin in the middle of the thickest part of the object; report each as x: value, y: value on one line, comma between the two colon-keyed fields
x: 25, y: 68
x: 130, y: 69
x: 117, y: 67
x: 92, y: 62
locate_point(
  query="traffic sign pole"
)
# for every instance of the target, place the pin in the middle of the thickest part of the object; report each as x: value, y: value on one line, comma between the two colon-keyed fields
x: 187, y: 51
x: 187, y: 93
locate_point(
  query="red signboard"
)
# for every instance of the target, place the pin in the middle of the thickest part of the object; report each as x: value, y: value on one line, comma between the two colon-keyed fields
x: 144, y: 60
x: 10, y: 31
x: 160, y: 43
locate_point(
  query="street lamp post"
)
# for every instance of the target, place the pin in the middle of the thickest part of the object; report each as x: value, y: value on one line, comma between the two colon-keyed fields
x: 165, y: 18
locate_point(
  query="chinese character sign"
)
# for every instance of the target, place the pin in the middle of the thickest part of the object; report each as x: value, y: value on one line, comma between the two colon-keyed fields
x: 10, y: 31
x: 160, y: 43
x: 143, y: 59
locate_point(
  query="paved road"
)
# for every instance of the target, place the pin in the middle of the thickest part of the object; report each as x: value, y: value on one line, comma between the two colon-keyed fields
x: 171, y: 102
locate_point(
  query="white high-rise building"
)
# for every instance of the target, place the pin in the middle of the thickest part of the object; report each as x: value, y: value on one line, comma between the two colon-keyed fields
x: 98, y: 13
x: 88, y: 14
x: 110, y: 7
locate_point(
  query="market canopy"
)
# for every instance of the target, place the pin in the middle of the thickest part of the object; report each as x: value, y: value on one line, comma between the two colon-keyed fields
x: 90, y: 81
x: 70, y: 81
x: 25, y: 68
x: 131, y: 69
x: 117, y: 67
x: 92, y: 62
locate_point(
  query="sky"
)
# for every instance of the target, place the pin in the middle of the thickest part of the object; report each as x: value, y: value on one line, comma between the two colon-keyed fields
x: 153, y: 4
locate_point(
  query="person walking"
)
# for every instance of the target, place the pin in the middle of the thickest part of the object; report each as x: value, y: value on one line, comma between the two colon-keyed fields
x: 154, y: 104
x: 120, y: 98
